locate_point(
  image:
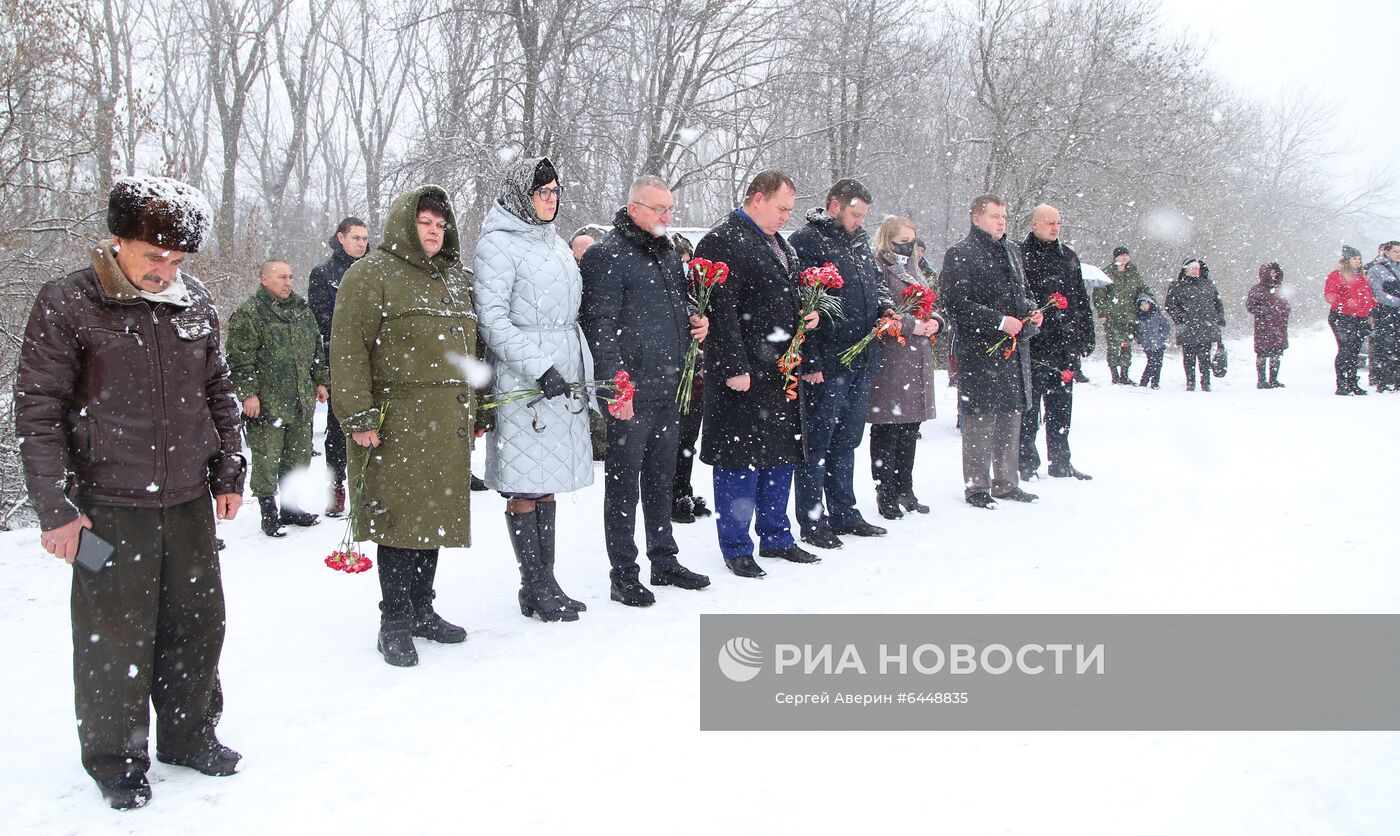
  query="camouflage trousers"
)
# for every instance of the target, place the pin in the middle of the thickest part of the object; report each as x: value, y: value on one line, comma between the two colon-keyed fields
x: 278, y: 448
x: 1120, y: 347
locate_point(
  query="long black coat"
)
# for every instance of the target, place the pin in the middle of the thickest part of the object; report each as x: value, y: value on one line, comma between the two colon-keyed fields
x: 983, y: 281
x: 753, y: 317
x: 863, y: 298
x: 322, y: 288
x: 1195, y: 308
x: 1065, y: 335
x: 634, y: 309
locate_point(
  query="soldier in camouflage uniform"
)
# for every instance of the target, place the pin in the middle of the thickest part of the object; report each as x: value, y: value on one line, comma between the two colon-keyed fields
x: 276, y: 361
x: 1116, y: 305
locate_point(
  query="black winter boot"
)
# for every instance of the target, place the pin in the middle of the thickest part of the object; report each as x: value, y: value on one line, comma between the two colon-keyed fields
x: 1273, y: 373
x: 1123, y: 377
x: 544, y: 521
x: 536, y: 597
x: 294, y: 516
x: 126, y: 791
x: 427, y: 624
x: 396, y: 642
x: 271, y: 520
x: 1260, y: 371
x: 698, y: 507
x: 672, y: 573
x: 627, y: 588
x: 682, y: 510
x: 1117, y: 378
x: 888, y: 504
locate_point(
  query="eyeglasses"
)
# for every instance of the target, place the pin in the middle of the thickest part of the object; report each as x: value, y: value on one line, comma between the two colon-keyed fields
x: 547, y: 192
x: 663, y: 211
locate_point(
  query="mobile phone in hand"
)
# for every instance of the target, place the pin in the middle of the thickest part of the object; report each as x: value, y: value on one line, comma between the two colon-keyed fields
x: 93, y: 551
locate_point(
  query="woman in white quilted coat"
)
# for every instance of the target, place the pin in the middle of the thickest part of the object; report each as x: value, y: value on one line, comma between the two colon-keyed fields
x: 528, y: 291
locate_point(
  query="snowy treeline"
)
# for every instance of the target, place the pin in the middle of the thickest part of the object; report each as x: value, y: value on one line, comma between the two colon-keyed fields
x: 290, y: 114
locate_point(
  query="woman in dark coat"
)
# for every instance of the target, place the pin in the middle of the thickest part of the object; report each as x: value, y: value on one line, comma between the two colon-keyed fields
x: 901, y: 395
x: 1194, y: 305
x: 1270, y: 312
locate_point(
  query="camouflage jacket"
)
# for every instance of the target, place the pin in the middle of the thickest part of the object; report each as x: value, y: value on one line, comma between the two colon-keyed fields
x: 274, y: 352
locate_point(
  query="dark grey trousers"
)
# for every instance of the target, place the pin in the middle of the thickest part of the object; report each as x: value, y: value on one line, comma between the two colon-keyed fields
x: 640, y: 463
x: 991, y: 442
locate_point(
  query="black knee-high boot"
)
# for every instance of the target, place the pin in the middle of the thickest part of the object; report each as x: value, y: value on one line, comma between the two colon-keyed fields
x: 544, y: 522
x: 536, y: 597
x: 883, y: 465
x: 1261, y: 370
x: 908, y: 447
x: 1273, y: 372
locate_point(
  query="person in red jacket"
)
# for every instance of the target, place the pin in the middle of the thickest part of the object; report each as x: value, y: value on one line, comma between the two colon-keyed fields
x: 1349, y: 294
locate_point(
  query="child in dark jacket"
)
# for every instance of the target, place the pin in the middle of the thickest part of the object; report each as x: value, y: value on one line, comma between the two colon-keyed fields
x: 1152, y: 332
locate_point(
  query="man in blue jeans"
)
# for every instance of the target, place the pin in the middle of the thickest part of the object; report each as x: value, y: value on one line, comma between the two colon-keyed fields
x: 835, y: 398
x: 752, y: 433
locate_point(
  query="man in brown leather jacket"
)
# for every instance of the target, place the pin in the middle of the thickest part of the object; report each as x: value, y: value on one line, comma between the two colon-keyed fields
x: 129, y: 427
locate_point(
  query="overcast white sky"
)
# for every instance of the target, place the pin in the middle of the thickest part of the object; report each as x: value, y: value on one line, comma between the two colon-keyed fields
x: 1348, y: 50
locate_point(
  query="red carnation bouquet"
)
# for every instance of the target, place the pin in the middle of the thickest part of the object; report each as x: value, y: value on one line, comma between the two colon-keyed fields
x: 916, y: 300
x: 706, y: 276
x: 621, y: 388
x: 812, y: 296
x: 1057, y: 300
x: 348, y: 556
x: 617, y: 391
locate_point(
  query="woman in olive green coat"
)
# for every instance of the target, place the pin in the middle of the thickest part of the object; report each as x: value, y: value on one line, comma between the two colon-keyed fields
x: 403, y: 329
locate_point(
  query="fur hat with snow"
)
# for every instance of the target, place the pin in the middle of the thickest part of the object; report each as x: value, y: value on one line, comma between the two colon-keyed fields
x: 159, y: 211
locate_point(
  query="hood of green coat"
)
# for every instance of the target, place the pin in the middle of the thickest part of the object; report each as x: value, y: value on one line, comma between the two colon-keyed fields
x: 401, y: 231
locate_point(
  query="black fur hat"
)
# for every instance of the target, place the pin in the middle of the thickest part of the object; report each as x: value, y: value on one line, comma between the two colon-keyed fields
x: 159, y: 211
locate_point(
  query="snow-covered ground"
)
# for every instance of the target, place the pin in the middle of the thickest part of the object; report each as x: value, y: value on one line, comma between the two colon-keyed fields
x: 1232, y: 501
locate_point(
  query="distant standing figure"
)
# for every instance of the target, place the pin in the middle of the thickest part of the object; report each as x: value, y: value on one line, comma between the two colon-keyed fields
x: 1270, y: 311
x: 1348, y: 292
x: 1194, y: 305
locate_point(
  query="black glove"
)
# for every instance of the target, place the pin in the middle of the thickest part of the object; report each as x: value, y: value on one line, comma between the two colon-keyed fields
x: 553, y: 384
